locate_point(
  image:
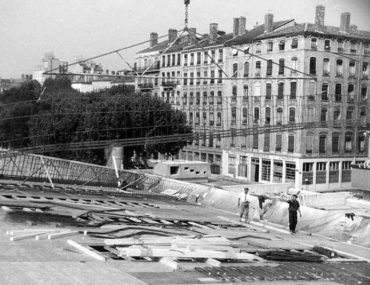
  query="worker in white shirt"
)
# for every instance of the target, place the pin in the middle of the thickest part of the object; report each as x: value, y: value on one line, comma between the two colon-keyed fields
x: 244, y: 202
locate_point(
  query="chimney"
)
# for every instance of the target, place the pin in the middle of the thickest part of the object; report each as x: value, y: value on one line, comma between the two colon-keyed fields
x: 242, y: 25
x: 172, y: 35
x: 269, y: 22
x: 345, y: 19
x: 153, y: 39
x: 353, y: 28
x: 192, y: 35
x: 320, y: 15
x: 213, y: 29
x: 236, y: 27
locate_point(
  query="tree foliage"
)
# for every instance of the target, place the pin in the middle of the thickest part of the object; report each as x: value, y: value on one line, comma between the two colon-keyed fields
x: 63, y: 115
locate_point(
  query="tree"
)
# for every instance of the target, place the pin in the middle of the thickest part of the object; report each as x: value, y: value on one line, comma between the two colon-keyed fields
x: 16, y: 107
x: 64, y: 116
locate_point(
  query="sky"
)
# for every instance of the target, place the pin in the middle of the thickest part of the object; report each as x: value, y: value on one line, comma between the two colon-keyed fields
x: 75, y: 28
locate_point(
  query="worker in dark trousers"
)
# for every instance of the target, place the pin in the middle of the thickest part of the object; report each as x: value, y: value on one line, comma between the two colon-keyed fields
x: 293, y: 209
x: 244, y: 202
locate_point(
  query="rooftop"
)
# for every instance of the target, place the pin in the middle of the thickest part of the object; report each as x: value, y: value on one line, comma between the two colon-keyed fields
x: 317, y: 30
x: 250, y: 35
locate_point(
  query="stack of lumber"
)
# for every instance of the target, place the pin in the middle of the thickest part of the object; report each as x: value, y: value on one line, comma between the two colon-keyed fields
x: 206, y: 247
x: 39, y: 234
x: 291, y: 256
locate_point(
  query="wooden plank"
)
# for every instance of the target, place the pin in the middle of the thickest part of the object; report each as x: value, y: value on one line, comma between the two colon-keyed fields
x: 198, y: 225
x: 150, y: 221
x: 170, y: 262
x: 160, y: 252
x: 62, y: 234
x: 25, y: 236
x: 133, y: 219
x: 24, y: 231
x: 213, y: 262
x: 86, y: 250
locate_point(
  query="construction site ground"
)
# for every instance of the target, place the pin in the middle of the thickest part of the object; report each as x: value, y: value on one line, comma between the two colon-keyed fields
x: 244, y: 253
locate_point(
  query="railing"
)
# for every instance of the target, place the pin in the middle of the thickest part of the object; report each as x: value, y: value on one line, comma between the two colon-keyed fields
x: 169, y: 84
x: 145, y: 86
x: 154, y: 67
x: 37, y: 168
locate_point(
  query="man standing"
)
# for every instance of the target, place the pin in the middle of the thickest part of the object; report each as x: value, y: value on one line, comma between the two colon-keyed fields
x: 293, y: 208
x: 244, y: 202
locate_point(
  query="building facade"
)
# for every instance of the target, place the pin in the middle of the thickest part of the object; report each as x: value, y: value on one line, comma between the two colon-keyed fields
x: 312, y: 81
x: 280, y: 103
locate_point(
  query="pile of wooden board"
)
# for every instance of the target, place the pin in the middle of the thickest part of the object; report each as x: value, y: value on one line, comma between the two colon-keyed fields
x: 180, y: 247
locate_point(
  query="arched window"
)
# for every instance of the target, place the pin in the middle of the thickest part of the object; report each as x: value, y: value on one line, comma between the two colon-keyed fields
x: 269, y: 67
x: 361, y: 142
x: 290, y: 143
x: 279, y: 116
x: 268, y: 91
x: 281, y: 65
x: 322, y: 143
x: 282, y: 45
x: 335, y: 142
x: 270, y: 46
x: 234, y: 92
x: 291, y: 115
x: 235, y: 70
x: 245, y: 116
x: 323, y: 115
x: 246, y: 69
x: 324, y: 92
x: 233, y: 115
x: 294, y: 64
x: 280, y: 91
x: 348, y: 142
x: 294, y: 43
x: 245, y: 93
x: 256, y: 117
x: 257, y: 89
x: 309, y: 142
x: 327, y: 45
x: 351, y: 92
x: 313, y: 65
x: 267, y: 115
x: 314, y: 43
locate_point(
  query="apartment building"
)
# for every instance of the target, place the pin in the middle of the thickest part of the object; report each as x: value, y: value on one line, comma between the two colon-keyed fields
x: 147, y: 66
x: 190, y: 79
x: 310, y: 79
x: 203, y: 95
x: 280, y: 103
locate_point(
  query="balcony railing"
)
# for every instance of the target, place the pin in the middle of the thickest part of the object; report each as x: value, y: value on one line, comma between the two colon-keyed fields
x: 169, y: 84
x: 146, y: 86
x: 153, y: 68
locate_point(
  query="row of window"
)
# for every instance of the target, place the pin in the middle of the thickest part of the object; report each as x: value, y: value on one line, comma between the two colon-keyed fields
x: 335, y: 147
x: 339, y: 71
x: 321, y: 173
x: 244, y: 70
x: 327, y: 45
x: 194, y: 58
x: 324, y: 94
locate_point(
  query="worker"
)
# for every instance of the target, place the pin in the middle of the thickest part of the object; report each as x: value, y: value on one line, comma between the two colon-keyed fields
x: 293, y: 209
x: 243, y: 202
x: 261, y: 200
